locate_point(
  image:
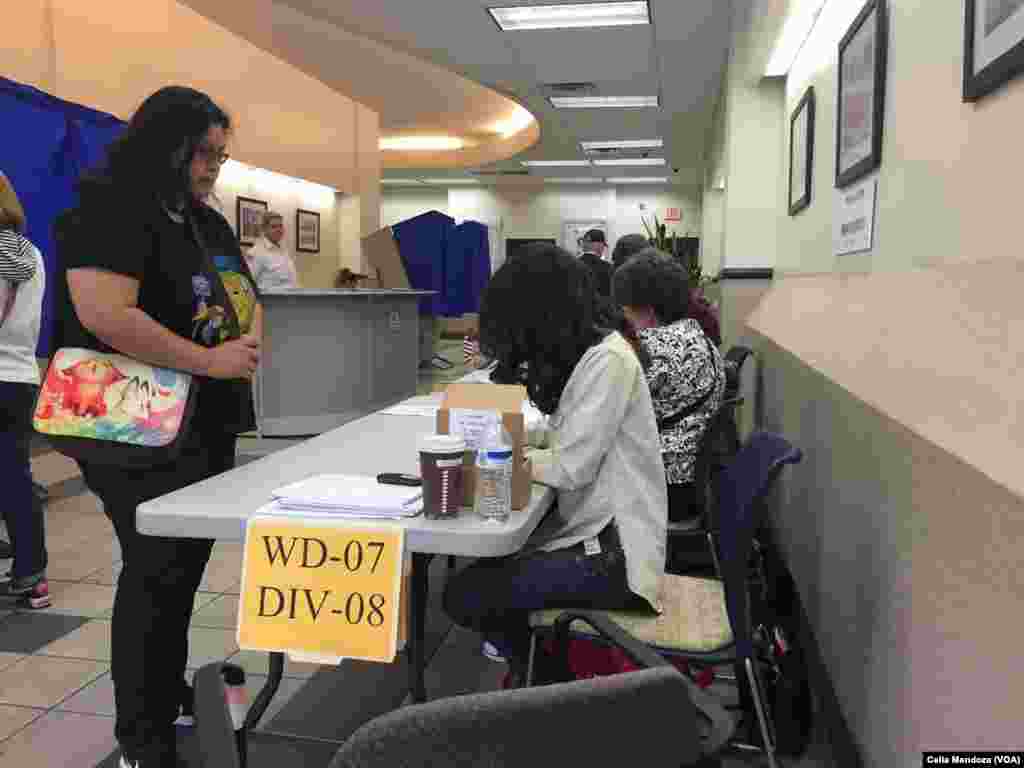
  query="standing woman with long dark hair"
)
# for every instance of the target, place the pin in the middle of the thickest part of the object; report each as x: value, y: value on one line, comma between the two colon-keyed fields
x: 133, y: 251
x: 603, y: 544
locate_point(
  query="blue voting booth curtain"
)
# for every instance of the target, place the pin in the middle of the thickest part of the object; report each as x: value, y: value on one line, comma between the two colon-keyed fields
x: 422, y: 241
x: 48, y: 144
x: 453, y: 260
x: 467, y: 267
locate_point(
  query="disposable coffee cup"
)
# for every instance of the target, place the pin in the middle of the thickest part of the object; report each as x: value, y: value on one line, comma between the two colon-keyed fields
x: 441, y: 458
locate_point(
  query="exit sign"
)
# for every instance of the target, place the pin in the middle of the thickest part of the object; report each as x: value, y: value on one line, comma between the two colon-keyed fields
x: 673, y: 214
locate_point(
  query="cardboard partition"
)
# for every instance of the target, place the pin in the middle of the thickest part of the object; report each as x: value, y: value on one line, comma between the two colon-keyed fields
x: 508, y: 401
x: 384, y: 259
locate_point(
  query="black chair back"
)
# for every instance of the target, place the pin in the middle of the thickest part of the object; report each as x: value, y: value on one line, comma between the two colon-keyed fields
x: 735, y: 358
x: 740, y: 491
x: 707, y: 455
x: 214, y: 729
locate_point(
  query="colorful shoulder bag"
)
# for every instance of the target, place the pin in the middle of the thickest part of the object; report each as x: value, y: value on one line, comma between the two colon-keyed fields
x: 107, y: 408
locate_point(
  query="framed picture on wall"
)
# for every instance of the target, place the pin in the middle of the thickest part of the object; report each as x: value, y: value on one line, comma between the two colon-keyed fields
x: 307, y: 231
x: 248, y: 217
x: 801, y: 153
x: 993, y: 45
x: 862, y: 56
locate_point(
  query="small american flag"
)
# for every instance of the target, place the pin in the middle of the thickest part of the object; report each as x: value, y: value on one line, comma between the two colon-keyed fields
x: 470, y: 350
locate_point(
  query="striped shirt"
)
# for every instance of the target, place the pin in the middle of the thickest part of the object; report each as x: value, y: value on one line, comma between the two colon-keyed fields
x: 17, y: 259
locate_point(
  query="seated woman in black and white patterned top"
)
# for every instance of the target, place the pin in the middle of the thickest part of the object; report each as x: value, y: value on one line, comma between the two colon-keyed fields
x: 686, y: 374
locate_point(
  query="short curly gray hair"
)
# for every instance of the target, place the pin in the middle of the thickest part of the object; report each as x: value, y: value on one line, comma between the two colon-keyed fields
x: 656, y: 280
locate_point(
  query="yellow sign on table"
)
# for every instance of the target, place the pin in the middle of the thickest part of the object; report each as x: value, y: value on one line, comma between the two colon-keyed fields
x: 321, y: 588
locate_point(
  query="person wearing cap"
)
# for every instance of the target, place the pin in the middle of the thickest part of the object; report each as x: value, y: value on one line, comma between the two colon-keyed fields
x: 594, y: 247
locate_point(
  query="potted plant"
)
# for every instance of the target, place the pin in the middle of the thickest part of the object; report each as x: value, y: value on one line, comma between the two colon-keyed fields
x: 673, y: 245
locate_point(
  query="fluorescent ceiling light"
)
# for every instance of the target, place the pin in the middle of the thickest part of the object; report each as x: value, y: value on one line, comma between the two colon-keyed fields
x: 603, y: 102
x: 555, y: 163
x: 453, y: 180
x: 422, y: 143
x: 573, y: 180
x: 595, y: 146
x: 519, y: 121
x: 571, y: 15
x: 795, y: 32
x: 634, y: 161
x: 639, y: 180
x: 401, y: 182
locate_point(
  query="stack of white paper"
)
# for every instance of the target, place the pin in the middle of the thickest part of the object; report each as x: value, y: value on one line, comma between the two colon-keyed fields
x: 348, y: 496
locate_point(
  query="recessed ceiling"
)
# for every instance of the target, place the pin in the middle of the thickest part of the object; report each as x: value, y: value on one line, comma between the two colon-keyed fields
x: 350, y: 45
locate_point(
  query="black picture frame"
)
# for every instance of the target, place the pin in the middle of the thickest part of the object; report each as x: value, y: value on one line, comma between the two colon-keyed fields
x: 305, y: 222
x: 248, y: 212
x: 874, y: 11
x: 804, y: 107
x: 999, y: 71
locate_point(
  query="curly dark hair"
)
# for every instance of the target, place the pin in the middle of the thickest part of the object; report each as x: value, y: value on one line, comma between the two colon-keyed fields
x: 153, y: 153
x: 653, y: 279
x: 627, y: 247
x: 538, y: 317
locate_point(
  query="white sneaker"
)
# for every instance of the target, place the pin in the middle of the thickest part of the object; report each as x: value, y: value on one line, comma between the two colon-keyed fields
x: 492, y: 653
x: 123, y: 763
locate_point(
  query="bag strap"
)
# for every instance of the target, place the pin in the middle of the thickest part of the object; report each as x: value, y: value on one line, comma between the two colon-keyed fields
x: 214, y: 275
x: 675, y: 418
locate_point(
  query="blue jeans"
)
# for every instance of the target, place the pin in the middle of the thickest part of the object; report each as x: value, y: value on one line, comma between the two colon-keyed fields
x: 495, y: 596
x: 22, y: 510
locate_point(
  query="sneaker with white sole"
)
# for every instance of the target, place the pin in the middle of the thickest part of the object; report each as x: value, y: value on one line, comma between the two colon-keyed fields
x: 491, y: 652
x: 32, y: 591
x: 187, y: 718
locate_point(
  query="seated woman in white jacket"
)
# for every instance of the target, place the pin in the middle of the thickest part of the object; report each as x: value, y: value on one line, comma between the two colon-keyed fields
x: 603, y: 544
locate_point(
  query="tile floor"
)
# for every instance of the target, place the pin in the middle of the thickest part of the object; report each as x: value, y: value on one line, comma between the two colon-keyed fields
x: 56, y: 696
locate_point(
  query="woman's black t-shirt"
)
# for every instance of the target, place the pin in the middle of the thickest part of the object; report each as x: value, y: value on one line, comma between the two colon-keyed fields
x: 139, y: 238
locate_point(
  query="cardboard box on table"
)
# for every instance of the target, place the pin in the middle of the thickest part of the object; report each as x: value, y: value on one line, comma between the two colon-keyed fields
x: 508, y: 401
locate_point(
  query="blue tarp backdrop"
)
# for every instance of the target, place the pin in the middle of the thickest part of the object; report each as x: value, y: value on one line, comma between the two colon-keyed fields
x: 47, y: 145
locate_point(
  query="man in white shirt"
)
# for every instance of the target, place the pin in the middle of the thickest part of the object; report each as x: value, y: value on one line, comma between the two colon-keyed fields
x: 270, y: 263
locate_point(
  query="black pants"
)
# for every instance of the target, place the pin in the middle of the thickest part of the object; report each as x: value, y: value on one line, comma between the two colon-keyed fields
x: 153, y: 604
x: 22, y: 510
x: 683, y: 502
x: 495, y: 596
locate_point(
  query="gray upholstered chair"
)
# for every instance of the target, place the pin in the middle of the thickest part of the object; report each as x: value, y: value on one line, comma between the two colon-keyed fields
x: 654, y: 717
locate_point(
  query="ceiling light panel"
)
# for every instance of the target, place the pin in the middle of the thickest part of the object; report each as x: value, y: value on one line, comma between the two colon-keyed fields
x: 422, y: 143
x: 641, y: 144
x: 573, y: 180
x: 400, y: 182
x: 603, y: 102
x: 633, y: 161
x: 639, y: 180
x: 556, y: 163
x: 571, y: 15
x: 450, y: 182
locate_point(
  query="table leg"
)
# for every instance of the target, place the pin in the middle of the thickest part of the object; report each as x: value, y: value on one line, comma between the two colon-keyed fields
x: 275, y: 672
x: 419, y: 590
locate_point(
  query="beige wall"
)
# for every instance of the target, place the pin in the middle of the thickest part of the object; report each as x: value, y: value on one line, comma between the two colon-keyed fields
x: 948, y: 188
x: 895, y: 370
x: 111, y: 54
x: 286, y: 196
x: 401, y: 203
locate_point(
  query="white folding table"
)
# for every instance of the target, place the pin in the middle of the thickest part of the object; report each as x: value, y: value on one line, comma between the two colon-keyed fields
x: 219, y: 508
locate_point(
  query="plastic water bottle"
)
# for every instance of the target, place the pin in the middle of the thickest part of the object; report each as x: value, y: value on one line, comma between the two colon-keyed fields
x: 494, y: 475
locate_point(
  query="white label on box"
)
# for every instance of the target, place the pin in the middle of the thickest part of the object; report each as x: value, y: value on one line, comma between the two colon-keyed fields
x: 472, y: 425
